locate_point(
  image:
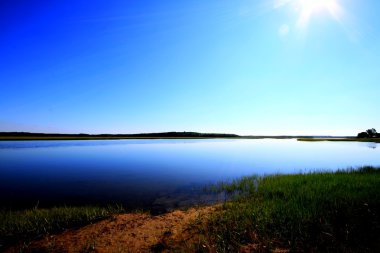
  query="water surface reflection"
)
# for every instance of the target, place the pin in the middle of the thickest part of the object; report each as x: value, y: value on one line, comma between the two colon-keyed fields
x: 146, y: 173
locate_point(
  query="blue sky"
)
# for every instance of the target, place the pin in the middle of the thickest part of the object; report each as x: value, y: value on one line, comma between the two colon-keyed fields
x: 245, y: 67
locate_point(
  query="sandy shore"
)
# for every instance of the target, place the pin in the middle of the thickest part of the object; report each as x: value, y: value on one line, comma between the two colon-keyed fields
x: 134, y: 232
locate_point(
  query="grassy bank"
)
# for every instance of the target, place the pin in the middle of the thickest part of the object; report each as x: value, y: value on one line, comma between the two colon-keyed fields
x: 316, y: 212
x: 377, y: 140
x: 26, y: 225
x: 320, y: 212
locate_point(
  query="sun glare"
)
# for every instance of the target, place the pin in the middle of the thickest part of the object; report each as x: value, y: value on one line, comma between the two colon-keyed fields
x: 308, y: 8
x: 317, y: 5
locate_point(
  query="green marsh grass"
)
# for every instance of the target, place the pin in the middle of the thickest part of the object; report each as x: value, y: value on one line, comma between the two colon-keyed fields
x: 377, y: 140
x: 25, y: 225
x: 319, y: 211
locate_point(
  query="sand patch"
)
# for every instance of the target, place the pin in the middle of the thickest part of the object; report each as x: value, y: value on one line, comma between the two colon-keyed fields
x: 134, y: 232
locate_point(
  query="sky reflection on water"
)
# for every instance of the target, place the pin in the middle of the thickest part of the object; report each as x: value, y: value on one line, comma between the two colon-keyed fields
x: 139, y: 172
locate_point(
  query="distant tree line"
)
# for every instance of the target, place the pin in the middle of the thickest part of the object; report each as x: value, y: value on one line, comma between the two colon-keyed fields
x: 370, y: 133
x: 147, y: 135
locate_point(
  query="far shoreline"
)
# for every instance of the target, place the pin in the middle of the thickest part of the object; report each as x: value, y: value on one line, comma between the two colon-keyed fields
x: 27, y: 136
x: 344, y: 139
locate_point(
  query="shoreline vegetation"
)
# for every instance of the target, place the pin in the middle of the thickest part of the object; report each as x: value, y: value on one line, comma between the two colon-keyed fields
x: 370, y: 135
x: 18, y: 226
x: 166, y: 135
x: 376, y: 140
x: 24, y: 136
x: 313, y: 212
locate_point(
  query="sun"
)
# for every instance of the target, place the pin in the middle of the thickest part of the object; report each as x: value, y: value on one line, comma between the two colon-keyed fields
x: 317, y: 5
x: 308, y: 8
x: 328, y: 11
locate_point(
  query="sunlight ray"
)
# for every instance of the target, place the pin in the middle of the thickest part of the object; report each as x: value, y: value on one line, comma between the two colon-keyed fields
x: 306, y: 9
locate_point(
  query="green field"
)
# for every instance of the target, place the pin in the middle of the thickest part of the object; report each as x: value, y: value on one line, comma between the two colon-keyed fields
x: 317, y: 212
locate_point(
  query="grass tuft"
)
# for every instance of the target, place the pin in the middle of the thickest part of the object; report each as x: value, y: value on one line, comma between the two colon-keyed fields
x: 25, y: 225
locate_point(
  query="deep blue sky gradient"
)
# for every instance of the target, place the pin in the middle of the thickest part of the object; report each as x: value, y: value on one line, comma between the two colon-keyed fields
x: 207, y: 66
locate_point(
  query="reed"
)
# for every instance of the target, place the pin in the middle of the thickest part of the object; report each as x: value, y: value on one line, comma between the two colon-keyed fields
x: 306, y: 212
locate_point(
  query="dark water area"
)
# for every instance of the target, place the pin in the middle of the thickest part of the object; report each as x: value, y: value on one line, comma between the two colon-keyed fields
x: 156, y: 174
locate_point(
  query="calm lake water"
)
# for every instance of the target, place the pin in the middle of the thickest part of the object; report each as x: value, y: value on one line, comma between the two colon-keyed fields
x: 155, y: 173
